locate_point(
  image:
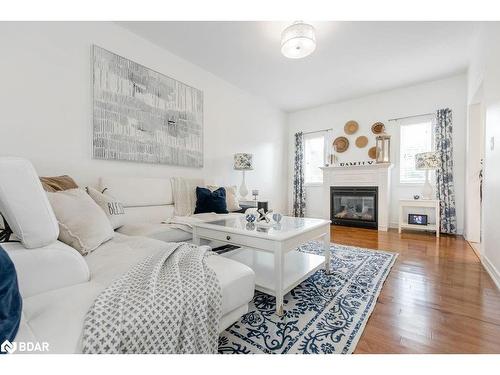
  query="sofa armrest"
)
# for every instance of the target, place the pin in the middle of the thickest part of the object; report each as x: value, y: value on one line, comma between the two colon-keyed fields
x: 46, y: 268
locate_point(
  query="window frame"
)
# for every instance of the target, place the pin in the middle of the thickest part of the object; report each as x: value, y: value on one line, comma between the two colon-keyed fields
x: 320, y: 134
x: 431, y: 122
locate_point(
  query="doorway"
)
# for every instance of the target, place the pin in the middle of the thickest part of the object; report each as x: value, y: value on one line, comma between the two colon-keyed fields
x: 474, y: 170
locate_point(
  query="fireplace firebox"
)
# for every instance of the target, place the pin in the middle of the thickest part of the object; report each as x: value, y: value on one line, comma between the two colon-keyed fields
x: 354, y: 206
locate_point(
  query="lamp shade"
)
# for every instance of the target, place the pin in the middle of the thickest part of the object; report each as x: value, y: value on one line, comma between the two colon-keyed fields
x: 243, y: 162
x: 426, y: 160
x: 298, y: 40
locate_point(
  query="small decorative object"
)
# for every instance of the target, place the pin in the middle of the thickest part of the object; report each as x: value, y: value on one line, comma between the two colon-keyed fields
x: 361, y: 141
x: 372, y: 152
x: 333, y: 157
x: 255, y: 193
x: 351, y: 127
x: 341, y: 144
x: 416, y: 197
x: 264, y: 216
x: 250, y: 217
x: 298, y: 40
x: 263, y: 204
x: 243, y: 162
x: 383, y: 148
x: 378, y: 128
x: 277, y: 217
x: 417, y: 219
x: 427, y: 161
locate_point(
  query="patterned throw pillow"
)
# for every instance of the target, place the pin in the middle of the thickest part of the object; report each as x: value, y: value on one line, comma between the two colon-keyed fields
x: 113, y: 208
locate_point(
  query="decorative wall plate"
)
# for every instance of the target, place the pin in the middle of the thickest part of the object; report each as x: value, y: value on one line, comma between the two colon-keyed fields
x: 372, y: 152
x: 378, y: 128
x: 351, y: 127
x: 340, y: 144
x: 361, y: 141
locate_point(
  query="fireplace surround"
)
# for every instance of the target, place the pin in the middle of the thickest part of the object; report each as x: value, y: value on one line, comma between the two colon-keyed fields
x: 374, y: 175
x: 354, y: 206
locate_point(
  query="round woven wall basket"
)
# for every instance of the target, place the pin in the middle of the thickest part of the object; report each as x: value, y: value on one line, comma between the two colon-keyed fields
x: 341, y: 144
x: 372, y: 152
x: 351, y: 127
x: 361, y: 141
x: 378, y: 128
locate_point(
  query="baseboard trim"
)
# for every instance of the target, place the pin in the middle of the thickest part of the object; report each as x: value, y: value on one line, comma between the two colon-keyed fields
x: 492, y: 271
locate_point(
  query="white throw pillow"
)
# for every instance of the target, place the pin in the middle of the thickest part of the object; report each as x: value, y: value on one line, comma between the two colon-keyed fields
x: 82, y: 223
x: 184, y: 190
x: 232, y: 202
x: 113, y: 208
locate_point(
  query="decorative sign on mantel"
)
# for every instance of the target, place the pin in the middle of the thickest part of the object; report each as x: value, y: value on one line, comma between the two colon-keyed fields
x: 355, y: 163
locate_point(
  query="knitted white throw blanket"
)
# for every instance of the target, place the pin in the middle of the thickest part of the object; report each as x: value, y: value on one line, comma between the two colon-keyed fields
x: 168, y: 303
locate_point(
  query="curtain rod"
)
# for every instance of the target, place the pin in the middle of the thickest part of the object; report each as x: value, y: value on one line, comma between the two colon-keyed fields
x: 316, y: 131
x: 402, y: 118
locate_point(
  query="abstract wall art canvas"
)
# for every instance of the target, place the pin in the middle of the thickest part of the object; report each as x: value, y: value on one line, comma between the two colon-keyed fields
x: 144, y: 116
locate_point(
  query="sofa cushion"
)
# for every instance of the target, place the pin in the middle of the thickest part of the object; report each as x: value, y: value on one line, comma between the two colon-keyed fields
x: 111, y: 206
x: 138, y: 191
x: 54, y: 266
x: 157, y: 231
x: 210, y: 201
x: 184, y: 190
x: 58, y: 183
x: 24, y: 204
x: 82, y: 223
x: 237, y: 282
x: 10, y: 299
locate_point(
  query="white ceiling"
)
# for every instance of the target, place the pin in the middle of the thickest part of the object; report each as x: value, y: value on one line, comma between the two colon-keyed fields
x: 351, y: 59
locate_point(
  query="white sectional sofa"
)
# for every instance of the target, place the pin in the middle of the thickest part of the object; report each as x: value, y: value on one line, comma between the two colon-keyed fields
x: 58, y: 285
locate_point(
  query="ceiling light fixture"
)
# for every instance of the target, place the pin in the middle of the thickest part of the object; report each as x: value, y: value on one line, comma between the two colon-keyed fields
x: 298, y: 40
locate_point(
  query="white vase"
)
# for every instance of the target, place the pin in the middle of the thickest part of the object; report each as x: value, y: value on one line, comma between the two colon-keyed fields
x: 427, y: 190
x: 243, y: 187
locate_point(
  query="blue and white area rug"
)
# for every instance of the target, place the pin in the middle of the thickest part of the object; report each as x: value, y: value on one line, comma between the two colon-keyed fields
x: 324, y: 314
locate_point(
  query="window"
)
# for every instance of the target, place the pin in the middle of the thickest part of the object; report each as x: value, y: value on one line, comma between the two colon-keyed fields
x: 314, y: 144
x: 414, y: 138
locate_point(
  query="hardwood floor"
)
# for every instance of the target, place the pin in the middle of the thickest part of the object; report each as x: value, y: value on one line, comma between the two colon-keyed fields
x: 437, y: 298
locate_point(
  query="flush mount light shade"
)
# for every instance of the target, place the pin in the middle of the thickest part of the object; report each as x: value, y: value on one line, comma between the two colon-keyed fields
x: 298, y: 40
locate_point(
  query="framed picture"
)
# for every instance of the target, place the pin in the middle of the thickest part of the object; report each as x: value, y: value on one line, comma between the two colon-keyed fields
x: 417, y: 219
x: 144, y: 116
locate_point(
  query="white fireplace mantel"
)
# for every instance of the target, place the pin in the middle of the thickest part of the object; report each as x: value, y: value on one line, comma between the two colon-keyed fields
x: 361, y: 175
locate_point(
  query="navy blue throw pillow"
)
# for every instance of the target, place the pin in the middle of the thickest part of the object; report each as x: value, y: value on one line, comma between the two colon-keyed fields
x: 10, y: 300
x: 210, y: 201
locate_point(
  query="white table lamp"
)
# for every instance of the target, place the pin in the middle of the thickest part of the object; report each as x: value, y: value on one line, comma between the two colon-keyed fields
x: 243, y: 162
x: 427, y: 161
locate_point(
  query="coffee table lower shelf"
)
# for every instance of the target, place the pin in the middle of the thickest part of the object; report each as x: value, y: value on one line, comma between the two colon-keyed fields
x: 298, y: 266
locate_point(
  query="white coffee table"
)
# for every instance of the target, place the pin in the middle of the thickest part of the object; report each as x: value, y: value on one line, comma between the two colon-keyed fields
x: 272, y: 251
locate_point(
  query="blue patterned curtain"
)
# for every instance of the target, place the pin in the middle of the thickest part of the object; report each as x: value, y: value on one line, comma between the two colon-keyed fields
x: 299, y: 192
x: 444, y: 173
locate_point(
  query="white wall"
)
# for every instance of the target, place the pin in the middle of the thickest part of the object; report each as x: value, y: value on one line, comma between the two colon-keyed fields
x: 414, y: 100
x: 46, y: 108
x: 484, y: 75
